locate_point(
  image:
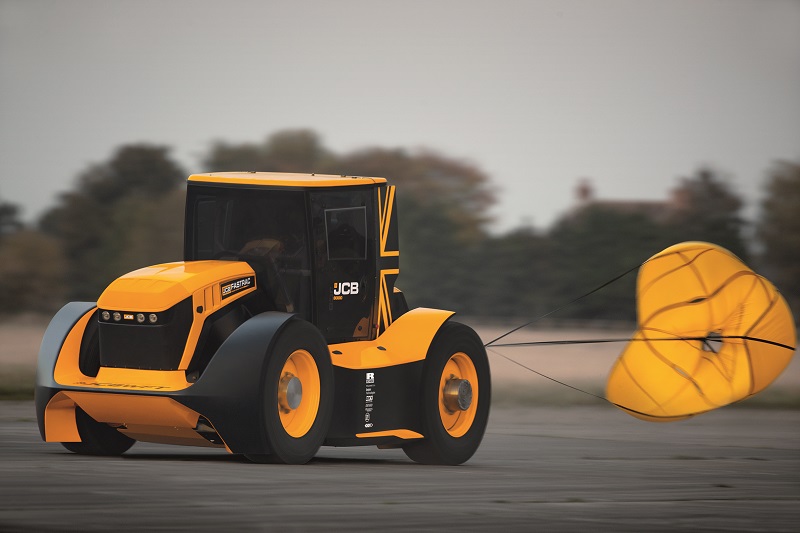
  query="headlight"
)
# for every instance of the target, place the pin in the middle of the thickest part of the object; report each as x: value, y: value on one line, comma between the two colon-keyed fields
x: 125, y: 317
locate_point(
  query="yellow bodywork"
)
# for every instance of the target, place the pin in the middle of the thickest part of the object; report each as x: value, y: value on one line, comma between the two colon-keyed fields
x: 146, y: 418
x: 711, y: 332
x: 154, y: 289
x: 406, y: 341
x: 161, y: 419
x: 277, y: 179
x: 67, y: 371
x: 159, y: 287
x: 156, y: 419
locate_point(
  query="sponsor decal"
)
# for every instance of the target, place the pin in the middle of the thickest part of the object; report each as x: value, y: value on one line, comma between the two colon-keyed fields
x: 128, y: 316
x: 232, y: 287
x: 344, y: 288
x: 369, y: 399
x: 119, y: 385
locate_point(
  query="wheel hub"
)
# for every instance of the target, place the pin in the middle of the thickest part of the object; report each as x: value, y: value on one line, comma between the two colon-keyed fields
x: 457, y: 394
x: 290, y: 392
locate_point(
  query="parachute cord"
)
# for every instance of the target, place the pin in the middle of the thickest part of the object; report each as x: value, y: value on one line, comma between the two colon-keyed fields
x: 704, y: 340
x: 615, y: 404
x: 756, y: 339
x: 604, y: 285
x: 551, y: 379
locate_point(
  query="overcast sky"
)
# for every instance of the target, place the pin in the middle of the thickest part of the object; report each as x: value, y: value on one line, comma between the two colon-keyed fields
x: 633, y: 94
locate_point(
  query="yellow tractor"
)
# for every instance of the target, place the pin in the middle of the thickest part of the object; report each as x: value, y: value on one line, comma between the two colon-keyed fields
x: 280, y: 332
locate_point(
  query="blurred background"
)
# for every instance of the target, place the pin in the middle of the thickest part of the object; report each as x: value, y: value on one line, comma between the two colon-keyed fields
x: 540, y: 148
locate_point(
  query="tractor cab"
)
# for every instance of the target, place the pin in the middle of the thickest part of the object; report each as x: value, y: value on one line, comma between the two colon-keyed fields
x: 319, y: 249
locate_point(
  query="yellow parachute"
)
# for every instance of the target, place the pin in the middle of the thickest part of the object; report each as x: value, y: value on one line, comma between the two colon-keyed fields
x: 711, y: 332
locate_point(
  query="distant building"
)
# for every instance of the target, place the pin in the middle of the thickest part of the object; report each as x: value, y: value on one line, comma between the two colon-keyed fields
x: 658, y: 210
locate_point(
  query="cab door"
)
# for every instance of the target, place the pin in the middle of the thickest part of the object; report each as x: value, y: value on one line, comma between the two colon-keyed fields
x: 344, y: 235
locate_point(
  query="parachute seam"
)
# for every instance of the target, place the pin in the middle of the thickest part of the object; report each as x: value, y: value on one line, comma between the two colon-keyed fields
x: 687, y: 262
x: 706, y: 297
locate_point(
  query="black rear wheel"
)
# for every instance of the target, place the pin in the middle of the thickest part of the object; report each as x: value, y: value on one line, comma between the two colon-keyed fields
x: 456, y: 394
x: 97, y: 438
x: 298, y: 395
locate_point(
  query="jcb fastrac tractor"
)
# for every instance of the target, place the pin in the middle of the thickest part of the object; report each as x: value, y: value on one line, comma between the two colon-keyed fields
x: 280, y: 332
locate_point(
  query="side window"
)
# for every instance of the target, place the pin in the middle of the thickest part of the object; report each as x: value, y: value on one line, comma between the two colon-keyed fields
x: 346, y: 231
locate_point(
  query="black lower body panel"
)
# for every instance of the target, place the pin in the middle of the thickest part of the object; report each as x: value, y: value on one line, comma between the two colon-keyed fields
x: 373, y: 401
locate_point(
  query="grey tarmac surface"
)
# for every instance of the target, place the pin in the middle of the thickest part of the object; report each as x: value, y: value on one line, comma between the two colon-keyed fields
x: 539, y: 469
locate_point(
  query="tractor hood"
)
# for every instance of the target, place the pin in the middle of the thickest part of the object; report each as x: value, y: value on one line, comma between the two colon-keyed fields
x: 159, y: 287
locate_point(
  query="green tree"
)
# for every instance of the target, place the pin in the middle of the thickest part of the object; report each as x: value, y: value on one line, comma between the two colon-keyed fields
x: 443, y: 209
x: 285, y: 151
x: 593, y: 247
x: 708, y: 210
x: 9, y: 219
x: 31, y: 273
x: 112, y: 208
x: 149, y: 231
x: 511, y: 275
x: 779, y: 231
x: 428, y: 180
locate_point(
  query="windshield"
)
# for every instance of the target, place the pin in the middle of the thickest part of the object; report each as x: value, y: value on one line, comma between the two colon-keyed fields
x: 228, y: 223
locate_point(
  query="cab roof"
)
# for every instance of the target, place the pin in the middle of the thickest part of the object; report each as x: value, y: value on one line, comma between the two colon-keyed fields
x: 283, y: 179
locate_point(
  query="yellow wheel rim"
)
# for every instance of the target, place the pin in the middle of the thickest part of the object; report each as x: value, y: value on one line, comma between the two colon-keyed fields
x: 298, y: 412
x: 456, y: 421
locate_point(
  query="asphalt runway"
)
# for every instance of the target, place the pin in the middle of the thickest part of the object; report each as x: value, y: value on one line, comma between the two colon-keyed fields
x: 539, y: 469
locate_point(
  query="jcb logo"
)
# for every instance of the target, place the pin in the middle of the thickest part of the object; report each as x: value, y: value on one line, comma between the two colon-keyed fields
x: 343, y: 288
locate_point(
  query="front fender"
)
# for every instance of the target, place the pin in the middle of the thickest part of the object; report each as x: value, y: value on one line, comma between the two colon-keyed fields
x: 230, y: 391
x: 54, y: 336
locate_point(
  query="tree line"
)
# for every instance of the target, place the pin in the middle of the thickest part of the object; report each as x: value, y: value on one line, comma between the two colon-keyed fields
x: 127, y: 212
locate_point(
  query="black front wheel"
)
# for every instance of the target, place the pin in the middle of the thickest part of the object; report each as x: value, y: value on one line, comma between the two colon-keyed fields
x: 297, y: 395
x: 97, y: 438
x: 456, y: 394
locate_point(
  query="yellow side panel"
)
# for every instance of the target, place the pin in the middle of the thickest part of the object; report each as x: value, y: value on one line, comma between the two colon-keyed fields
x: 59, y: 420
x: 400, y: 433
x: 134, y: 410
x: 405, y: 341
x: 144, y: 418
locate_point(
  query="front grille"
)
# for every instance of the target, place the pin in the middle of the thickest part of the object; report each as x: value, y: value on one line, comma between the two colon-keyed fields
x: 146, y: 346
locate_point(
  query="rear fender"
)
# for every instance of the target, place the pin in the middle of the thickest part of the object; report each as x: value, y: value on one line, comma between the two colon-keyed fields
x: 406, y: 340
x: 392, y: 364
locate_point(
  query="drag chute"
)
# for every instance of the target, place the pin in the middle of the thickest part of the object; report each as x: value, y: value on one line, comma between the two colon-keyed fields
x: 710, y: 332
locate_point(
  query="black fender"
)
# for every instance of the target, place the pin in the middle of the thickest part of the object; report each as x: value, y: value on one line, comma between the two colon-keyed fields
x: 229, y: 393
x: 54, y: 337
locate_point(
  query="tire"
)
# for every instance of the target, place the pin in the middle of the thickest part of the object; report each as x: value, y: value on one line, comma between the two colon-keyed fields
x: 296, y: 426
x: 453, y: 432
x: 97, y: 438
